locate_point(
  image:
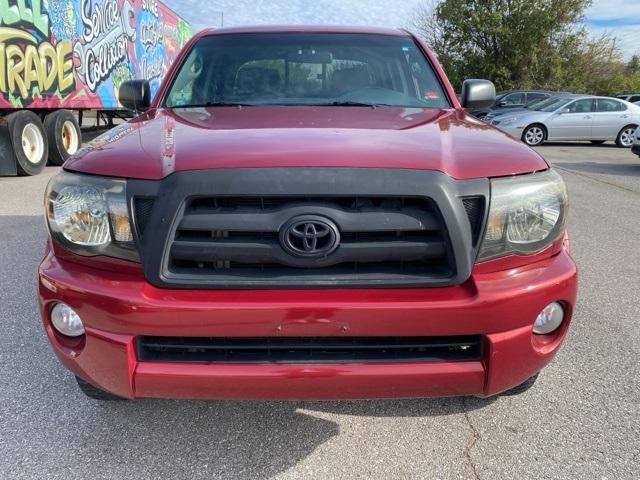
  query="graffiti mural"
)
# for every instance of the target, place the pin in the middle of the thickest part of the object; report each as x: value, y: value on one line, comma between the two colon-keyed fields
x: 75, y: 53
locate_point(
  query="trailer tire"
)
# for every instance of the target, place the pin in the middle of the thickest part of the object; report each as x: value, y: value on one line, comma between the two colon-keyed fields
x: 63, y: 133
x: 29, y: 142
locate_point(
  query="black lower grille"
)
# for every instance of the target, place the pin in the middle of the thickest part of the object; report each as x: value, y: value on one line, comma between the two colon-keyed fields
x: 309, y: 349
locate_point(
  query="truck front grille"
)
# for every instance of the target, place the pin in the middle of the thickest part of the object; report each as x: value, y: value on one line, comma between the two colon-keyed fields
x: 289, y: 227
x: 244, y: 238
x: 309, y: 349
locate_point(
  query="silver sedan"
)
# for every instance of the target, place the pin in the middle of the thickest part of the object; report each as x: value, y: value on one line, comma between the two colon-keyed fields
x: 570, y: 118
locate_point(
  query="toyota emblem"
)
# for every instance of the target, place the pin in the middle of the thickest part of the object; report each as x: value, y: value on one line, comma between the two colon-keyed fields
x: 309, y: 236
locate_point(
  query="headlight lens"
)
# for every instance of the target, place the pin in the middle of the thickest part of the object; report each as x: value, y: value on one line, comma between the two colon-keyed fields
x: 80, y: 214
x: 89, y: 216
x: 526, y: 214
x: 66, y: 320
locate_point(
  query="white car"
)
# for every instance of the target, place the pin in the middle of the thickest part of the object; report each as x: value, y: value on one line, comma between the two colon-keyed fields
x: 575, y: 117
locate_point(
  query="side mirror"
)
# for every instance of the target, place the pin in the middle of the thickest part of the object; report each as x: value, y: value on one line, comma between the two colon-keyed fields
x: 478, y: 94
x: 135, y: 95
x: 502, y: 104
x: 564, y: 110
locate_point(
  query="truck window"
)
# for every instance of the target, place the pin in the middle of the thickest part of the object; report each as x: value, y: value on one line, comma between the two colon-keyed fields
x: 306, y: 69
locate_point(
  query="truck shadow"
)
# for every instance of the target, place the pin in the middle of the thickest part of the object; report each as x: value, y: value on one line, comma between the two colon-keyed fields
x: 420, y: 407
x: 230, y: 439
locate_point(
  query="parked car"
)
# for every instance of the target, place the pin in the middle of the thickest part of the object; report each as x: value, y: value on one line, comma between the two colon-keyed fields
x: 321, y: 222
x: 507, y: 101
x: 571, y: 118
x: 529, y: 106
x: 630, y: 97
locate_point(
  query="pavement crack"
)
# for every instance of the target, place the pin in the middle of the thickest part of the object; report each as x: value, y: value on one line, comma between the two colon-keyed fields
x: 596, y: 179
x: 475, y: 436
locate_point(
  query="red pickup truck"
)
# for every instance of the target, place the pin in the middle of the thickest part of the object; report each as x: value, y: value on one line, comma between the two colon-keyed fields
x: 306, y: 212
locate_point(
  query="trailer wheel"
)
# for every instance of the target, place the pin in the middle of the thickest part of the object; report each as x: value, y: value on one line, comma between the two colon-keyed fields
x: 63, y: 133
x: 29, y: 142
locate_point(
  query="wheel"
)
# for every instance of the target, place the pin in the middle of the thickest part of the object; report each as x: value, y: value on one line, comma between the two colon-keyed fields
x: 597, y: 142
x: 63, y: 133
x: 29, y: 142
x: 533, y: 135
x: 523, y: 387
x: 94, y: 392
x: 625, y: 137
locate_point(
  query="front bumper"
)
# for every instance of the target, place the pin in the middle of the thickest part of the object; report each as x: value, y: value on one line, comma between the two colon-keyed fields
x: 117, y: 307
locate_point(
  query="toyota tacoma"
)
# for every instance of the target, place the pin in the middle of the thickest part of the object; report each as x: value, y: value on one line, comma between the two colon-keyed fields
x: 305, y: 213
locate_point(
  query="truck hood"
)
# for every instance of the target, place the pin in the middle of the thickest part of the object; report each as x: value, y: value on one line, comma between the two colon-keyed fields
x: 163, y: 141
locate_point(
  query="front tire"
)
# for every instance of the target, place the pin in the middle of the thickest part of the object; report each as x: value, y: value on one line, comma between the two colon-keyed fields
x: 63, y: 133
x: 534, y: 135
x: 29, y: 142
x: 625, y: 137
x: 96, y: 393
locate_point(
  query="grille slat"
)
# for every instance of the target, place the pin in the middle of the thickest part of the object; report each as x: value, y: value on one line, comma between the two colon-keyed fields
x: 309, y: 349
x: 271, y: 252
x: 240, y: 220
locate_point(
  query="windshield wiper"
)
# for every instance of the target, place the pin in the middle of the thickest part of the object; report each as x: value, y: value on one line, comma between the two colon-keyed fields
x: 230, y: 104
x: 351, y: 103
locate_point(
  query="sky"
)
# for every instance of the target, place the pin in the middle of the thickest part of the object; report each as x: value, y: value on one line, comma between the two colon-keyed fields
x: 620, y: 18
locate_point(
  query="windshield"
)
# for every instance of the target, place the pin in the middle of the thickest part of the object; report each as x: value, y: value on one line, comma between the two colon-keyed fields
x: 535, y: 102
x: 550, y: 104
x: 306, y: 69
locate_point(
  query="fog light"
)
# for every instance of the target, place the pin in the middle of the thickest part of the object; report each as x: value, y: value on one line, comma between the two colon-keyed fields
x: 549, y: 319
x: 66, y: 321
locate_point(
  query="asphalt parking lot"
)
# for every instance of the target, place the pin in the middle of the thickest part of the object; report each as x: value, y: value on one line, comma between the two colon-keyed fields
x: 581, y: 420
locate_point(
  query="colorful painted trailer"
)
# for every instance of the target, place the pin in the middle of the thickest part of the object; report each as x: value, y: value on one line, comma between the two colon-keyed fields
x: 61, y: 57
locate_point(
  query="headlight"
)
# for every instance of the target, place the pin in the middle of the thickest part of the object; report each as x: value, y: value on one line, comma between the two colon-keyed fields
x: 89, y: 216
x: 526, y: 214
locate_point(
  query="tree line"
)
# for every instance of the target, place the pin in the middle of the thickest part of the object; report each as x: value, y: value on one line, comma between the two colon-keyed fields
x: 522, y: 44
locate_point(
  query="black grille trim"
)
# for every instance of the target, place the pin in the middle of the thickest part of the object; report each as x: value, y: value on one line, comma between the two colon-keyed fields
x: 269, y: 187
x: 308, y: 349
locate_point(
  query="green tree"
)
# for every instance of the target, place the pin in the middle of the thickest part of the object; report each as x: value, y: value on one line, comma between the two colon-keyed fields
x: 524, y: 44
